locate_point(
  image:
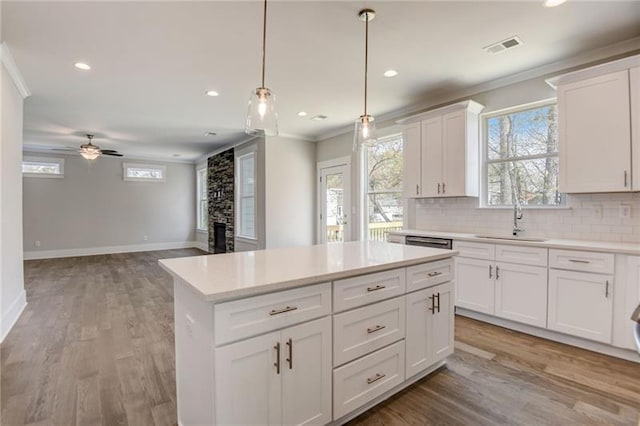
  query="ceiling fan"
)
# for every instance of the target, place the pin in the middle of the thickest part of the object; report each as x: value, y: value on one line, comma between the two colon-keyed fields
x: 91, y: 151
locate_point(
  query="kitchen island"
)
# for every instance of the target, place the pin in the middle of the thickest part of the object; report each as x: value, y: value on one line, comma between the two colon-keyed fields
x: 312, y: 335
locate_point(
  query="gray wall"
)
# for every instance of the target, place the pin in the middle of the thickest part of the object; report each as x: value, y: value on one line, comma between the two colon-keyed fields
x: 92, y: 206
x: 12, y: 294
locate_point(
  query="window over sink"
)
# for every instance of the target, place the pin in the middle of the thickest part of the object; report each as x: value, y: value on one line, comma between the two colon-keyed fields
x: 521, y: 156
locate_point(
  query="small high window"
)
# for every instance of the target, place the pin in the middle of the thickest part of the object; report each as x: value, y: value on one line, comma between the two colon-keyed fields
x: 202, y: 207
x: 43, y: 167
x: 246, y: 165
x: 521, y: 157
x: 144, y: 172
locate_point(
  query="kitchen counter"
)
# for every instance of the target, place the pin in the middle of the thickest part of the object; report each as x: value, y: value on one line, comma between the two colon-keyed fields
x: 603, y: 246
x: 229, y: 276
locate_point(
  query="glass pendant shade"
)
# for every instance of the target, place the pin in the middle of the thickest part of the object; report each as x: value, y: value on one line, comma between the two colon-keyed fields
x: 262, y: 119
x: 90, y: 151
x: 365, y: 132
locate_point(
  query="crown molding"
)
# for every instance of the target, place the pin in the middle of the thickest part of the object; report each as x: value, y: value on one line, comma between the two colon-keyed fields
x: 49, y: 151
x: 12, y: 68
x: 585, y: 59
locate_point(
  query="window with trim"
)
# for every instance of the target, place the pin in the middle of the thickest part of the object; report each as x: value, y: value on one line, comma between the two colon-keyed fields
x: 202, y: 197
x: 383, y: 186
x: 43, y: 167
x: 521, y: 157
x: 144, y: 172
x: 246, y: 168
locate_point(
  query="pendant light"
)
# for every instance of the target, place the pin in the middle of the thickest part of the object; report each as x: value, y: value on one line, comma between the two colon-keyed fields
x: 262, y: 119
x: 365, y: 132
x: 89, y: 150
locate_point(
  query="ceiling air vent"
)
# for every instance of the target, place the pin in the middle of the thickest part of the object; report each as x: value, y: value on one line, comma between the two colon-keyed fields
x: 501, y: 46
x: 318, y: 118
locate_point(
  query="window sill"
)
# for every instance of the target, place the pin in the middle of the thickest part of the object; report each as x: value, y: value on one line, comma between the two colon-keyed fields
x: 246, y: 239
x: 201, y: 231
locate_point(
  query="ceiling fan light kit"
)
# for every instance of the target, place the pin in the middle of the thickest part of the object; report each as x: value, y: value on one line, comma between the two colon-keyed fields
x: 365, y: 131
x: 262, y: 118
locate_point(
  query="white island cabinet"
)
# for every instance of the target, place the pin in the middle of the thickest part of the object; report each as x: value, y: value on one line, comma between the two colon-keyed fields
x: 310, y: 335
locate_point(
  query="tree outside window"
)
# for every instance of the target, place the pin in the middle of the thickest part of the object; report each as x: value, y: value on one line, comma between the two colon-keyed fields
x: 521, y: 155
x: 384, y: 187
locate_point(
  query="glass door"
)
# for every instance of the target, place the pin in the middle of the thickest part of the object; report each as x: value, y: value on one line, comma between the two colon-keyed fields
x: 335, y: 202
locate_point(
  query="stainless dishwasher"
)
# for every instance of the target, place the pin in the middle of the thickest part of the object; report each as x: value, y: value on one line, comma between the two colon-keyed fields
x: 441, y: 243
x: 635, y: 317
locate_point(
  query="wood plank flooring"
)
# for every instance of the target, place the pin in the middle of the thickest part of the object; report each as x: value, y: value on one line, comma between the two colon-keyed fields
x: 95, y: 346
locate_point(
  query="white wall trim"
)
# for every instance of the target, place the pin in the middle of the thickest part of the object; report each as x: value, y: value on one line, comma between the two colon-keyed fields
x: 201, y: 245
x: 92, y: 251
x: 11, y: 317
x: 6, y: 58
x: 342, y: 161
x: 39, y: 149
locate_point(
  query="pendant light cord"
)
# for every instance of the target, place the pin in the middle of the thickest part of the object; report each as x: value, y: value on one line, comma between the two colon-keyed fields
x: 264, y: 39
x: 366, y: 58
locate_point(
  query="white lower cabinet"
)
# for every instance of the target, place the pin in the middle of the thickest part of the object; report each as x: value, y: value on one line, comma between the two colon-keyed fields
x: 521, y: 293
x: 474, y: 285
x: 581, y: 304
x: 430, y: 328
x: 283, y: 377
x: 364, y: 379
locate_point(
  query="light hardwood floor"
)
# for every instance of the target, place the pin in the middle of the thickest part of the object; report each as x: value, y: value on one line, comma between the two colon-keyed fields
x: 95, y: 346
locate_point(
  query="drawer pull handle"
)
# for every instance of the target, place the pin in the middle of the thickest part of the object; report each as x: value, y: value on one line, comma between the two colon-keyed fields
x: 283, y: 310
x: 376, y: 288
x: 375, y: 378
x: 579, y: 261
x: 434, y: 274
x: 376, y: 328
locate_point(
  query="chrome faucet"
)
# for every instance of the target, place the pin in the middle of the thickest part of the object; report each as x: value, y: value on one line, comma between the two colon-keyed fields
x: 517, y: 215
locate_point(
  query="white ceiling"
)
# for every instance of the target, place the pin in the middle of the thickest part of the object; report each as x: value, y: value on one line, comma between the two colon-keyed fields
x: 152, y: 62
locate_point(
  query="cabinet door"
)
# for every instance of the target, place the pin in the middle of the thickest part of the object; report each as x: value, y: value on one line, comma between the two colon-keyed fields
x: 432, y: 157
x: 248, y: 385
x: 474, y: 285
x: 440, y: 329
x: 634, y: 86
x: 594, y: 134
x: 412, y: 157
x: 306, y: 373
x: 521, y: 293
x: 454, y: 158
x: 417, y: 344
x: 581, y: 304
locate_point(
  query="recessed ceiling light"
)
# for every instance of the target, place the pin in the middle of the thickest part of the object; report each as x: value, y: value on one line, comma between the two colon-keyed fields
x: 390, y: 73
x: 82, y: 66
x: 553, y: 3
x: 210, y: 134
x: 318, y: 118
x: 302, y: 114
x: 176, y: 155
x: 212, y: 93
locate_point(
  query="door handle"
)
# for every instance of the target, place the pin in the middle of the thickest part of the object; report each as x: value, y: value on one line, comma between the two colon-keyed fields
x: 490, y: 271
x: 443, y: 190
x: 606, y: 290
x: 625, y: 178
x: 277, y: 363
x: 290, y: 359
x: 497, y: 272
x: 438, y: 297
x: 438, y: 187
x: 417, y: 190
x: 433, y: 306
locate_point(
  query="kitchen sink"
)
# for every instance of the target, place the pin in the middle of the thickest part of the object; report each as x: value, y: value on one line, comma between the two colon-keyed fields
x: 512, y: 238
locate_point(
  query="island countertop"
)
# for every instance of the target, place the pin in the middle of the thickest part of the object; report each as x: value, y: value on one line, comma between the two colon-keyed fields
x: 229, y: 276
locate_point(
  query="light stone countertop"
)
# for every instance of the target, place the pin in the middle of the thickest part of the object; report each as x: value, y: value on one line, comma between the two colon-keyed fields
x: 229, y: 276
x: 583, y: 245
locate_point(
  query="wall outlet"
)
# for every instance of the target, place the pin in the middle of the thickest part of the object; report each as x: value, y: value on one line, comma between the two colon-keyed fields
x: 625, y: 211
x: 37, y: 243
x: 146, y: 238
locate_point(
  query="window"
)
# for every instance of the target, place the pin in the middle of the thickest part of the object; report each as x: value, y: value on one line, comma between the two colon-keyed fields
x: 43, y: 167
x: 383, y: 186
x: 247, y: 195
x: 144, y: 172
x: 521, y: 157
x: 202, y: 207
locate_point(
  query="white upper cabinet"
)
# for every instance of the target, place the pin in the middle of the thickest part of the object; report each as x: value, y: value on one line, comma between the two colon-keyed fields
x: 441, y: 152
x: 595, y: 135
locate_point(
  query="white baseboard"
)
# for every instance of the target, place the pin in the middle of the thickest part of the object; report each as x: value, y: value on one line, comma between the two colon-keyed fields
x: 92, y: 251
x: 603, y: 348
x: 9, y: 319
x: 201, y: 245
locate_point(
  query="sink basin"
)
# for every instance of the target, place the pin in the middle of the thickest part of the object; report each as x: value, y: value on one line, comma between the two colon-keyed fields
x: 512, y: 238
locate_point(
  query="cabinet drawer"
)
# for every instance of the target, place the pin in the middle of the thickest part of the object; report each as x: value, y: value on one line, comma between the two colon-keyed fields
x: 429, y: 274
x: 582, y: 261
x: 475, y: 250
x: 535, y: 256
x: 393, y: 238
x: 243, y: 318
x: 357, y: 291
x: 359, y: 382
x: 364, y: 330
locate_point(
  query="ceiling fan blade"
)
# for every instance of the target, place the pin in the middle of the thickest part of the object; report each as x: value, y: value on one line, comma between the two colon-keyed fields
x: 113, y: 154
x: 105, y: 151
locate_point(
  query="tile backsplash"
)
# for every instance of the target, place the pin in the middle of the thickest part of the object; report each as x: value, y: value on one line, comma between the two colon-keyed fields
x: 598, y: 217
